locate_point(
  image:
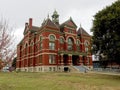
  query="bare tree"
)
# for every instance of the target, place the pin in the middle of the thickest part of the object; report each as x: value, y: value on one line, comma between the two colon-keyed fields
x: 7, y: 42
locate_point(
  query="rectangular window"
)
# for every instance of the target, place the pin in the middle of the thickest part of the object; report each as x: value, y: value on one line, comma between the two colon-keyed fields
x: 70, y: 47
x: 30, y: 49
x: 52, y: 46
x: 78, y: 48
x: 50, y: 68
x: 31, y: 61
x: 20, y: 53
x: 26, y: 51
x: 41, y: 46
x: 40, y: 59
x: 70, y: 31
x: 52, y: 59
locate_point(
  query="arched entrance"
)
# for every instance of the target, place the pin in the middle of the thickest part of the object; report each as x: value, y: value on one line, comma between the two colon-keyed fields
x: 75, y: 60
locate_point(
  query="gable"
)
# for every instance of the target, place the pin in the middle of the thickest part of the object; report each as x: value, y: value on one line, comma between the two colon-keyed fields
x: 49, y: 23
x: 81, y: 31
x: 69, y: 23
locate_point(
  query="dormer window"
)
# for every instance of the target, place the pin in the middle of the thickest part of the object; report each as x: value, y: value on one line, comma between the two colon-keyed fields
x: 70, y: 31
x: 52, y: 38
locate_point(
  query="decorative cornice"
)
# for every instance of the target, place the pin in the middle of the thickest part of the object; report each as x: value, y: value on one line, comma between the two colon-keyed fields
x: 72, y: 53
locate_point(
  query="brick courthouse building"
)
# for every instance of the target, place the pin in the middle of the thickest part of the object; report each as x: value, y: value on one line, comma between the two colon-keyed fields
x: 53, y: 46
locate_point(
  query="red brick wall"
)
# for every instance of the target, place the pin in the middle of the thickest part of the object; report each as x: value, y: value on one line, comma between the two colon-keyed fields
x: 34, y: 55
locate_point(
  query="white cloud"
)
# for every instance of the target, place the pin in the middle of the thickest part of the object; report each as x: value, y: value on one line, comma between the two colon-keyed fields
x: 19, y: 34
x: 82, y: 11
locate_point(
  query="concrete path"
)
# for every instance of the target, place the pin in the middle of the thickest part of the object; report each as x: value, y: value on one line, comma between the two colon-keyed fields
x: 108, y: 73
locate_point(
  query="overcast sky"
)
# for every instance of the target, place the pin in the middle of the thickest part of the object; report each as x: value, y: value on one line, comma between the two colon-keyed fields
x: 17, y: 12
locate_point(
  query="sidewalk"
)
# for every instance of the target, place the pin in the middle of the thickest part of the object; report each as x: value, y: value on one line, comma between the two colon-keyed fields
x: 107, y: 73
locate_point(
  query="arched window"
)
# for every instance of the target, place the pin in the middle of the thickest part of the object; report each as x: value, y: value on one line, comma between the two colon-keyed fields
x: 86, y: 43
x: 70, y: 44
x: 70, y: 41
x: 52, y: 38
x: 52, y: 42
x: 61, y: 40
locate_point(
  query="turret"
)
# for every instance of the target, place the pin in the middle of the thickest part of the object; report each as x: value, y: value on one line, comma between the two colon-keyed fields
x: 55, y: 17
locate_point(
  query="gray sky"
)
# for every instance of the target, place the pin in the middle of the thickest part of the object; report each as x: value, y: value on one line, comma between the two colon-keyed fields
x: 17, y: 12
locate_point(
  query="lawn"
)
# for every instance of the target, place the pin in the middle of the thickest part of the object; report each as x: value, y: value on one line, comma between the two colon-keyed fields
x: 58, y: 81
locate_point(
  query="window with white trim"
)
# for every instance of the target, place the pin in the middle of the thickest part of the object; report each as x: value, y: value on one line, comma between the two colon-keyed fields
x: 52, y: 59
x: 41, y: 45
x: 70, y: 44
x: 61, y: 40
x: 86, y: 46
x: 40, y: 58
x: 52, y: 42
x: 26, y: 48
x: 78, y: 45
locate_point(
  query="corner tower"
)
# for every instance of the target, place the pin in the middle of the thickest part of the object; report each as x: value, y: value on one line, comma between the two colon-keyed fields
x: 55, y: 17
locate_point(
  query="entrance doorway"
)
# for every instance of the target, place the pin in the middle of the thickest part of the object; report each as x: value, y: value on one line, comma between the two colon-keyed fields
x: 65, y: 59
x: 75, y: 60
x: 84, y: 60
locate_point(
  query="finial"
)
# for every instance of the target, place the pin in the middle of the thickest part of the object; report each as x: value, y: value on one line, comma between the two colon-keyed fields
x: 48, y: 15
x: 43, y: 22
x: 70, y: 18
x: 80, y: 25
x: 55, y: 9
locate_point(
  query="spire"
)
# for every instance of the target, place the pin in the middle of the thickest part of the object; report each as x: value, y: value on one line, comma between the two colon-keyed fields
x: 70, y: 18
x: 55, y: 17
x: 48, y: 15
x: 80, y: 25
x: 43, y: 21
x: 81, y: 28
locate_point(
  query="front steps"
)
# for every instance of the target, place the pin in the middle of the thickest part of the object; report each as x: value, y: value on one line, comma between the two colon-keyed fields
x: 79, y: 68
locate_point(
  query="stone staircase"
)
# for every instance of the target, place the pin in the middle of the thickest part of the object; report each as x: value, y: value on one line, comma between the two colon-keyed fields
x: 79, y: 69
x: 73, y: 69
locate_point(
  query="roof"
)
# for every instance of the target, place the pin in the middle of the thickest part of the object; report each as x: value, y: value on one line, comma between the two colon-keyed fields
x: 48, y: 22
x: 55, y: 13
x: 70, y: 23
x: 33, y: 29
x: 82, y: 31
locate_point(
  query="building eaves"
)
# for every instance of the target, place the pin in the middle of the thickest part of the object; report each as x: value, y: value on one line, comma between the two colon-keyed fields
x: 81, y: 31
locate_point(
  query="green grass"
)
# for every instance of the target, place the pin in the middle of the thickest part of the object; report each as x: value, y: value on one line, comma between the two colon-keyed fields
x: 58, y: 81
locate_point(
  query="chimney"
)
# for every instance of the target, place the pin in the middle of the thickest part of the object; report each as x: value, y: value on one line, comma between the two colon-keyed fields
x: 30, y: 23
